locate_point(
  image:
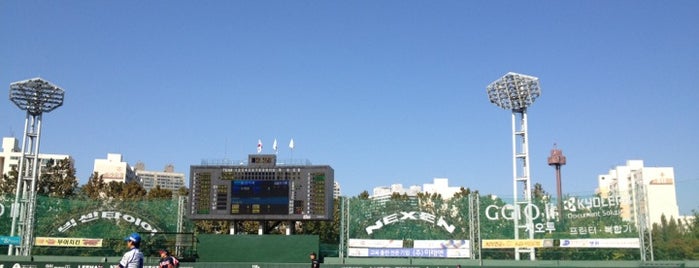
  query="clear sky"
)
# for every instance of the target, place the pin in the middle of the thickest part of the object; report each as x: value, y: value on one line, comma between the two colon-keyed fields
x: 383, y: 91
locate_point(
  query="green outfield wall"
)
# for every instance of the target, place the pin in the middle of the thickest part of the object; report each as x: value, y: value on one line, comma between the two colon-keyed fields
x: 256, y: 248
x: 152, y: 262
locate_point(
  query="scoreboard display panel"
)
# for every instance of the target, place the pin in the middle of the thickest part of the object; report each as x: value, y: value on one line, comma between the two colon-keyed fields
x: 261, y: 190
x: 259, y: 197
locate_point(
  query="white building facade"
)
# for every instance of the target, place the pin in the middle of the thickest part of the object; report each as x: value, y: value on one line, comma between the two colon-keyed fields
x: 336, y: 190
x: 11, y: 153
x: 114, y: 169
x: 641, y: 189
x: 440, y: 186
x: 167, y: 179
x: 385, y: 192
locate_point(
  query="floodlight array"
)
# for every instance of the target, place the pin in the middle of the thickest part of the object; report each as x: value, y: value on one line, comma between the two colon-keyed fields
x: 36, y: 95
x: 514, y: 91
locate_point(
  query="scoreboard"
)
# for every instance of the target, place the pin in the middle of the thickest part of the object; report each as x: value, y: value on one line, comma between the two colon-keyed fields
x: 261, y: 190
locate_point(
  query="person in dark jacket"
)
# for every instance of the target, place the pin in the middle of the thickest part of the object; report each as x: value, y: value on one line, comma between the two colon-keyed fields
x: 314, y: 260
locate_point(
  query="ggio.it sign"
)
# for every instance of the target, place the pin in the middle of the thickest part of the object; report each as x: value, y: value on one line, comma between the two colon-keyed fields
x: 607, y: 206
x: 511, y: 212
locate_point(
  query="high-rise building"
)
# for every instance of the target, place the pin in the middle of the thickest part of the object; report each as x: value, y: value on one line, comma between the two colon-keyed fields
x: 336, y: 190
x: 114, y: 169
x: 11, y: 153
x: 640, y: 188
x: 440, y: 186
x: 383, y: 193
x: 167, y: 179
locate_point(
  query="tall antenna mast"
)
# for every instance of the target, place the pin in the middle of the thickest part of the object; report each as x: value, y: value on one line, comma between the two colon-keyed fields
x: 557, y: 159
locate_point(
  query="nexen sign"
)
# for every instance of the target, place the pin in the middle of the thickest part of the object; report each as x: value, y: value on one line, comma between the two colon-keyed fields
x: 411, y: 215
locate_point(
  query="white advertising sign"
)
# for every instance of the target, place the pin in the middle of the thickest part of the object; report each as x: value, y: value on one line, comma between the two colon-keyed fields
x: 375, y: 243
x: 358, y: 252
x: 601, y: 243
x: 458, y: 253
x: 463, y: 244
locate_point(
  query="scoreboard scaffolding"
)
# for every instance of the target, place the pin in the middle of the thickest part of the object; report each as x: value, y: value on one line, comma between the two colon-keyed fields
x: 261, y: 190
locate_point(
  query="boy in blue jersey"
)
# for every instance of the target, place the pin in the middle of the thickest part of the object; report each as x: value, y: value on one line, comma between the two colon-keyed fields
x: 134, y: 257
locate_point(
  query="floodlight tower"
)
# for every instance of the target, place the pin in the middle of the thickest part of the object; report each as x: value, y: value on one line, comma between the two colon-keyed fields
x: 557, y: 159
x: 36, y: 96
x: 516, y: 92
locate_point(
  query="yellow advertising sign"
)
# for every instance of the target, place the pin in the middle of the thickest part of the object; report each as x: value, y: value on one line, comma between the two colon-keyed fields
x: 512, y: 243
x: 67, y: 242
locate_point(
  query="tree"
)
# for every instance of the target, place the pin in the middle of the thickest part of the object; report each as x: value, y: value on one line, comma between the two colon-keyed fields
x: 462, y: 193
x: 8, y: 185
x: 212, y: 226
x: 670, y: 241
x: 183, y: 191
x: 363, y: 195
x: 132, y: 191
x: 159, y: 193
x: 58, y: 179
x: 94, y: 187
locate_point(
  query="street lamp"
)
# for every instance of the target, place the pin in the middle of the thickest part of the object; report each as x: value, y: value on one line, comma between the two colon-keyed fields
x: 516, y: 92
x: 36, y: 96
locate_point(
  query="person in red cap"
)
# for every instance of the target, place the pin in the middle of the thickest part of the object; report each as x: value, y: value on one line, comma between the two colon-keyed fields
x: 167, y: 261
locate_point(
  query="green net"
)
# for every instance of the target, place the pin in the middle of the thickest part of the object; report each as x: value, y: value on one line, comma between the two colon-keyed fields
x: 432, y: 217
x: 109, y: 220
x: 429, y: 226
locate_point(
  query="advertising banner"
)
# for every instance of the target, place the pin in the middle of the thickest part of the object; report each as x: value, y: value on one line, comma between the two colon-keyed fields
x: 375, y: 243
x: 518, y: 243
x: 462, y: 244
x: 10, y: 240
x: 67, y: 242
x: 601, y: 243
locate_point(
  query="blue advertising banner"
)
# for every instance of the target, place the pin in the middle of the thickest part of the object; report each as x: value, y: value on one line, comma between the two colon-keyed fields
x: 10, y: 240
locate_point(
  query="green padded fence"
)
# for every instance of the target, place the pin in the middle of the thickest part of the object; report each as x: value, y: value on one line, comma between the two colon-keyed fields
x: 256, y: 248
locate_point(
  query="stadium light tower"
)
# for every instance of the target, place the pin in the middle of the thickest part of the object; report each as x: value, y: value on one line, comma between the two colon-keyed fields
x: 36, y: 96
x: 516, y: 92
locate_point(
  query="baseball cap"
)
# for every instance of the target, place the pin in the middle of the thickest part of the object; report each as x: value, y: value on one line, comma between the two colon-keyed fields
x: 163, y: 251
x: 135, y: 237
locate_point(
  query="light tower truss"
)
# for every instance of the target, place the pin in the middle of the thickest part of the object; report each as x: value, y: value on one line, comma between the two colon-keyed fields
x: 516, y: 92
x: 36, y: 96
x: 474, y: 223
x: 645, y: 234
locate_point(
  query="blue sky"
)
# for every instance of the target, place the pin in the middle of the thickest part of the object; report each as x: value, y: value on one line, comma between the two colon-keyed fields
x: 383, y: 91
